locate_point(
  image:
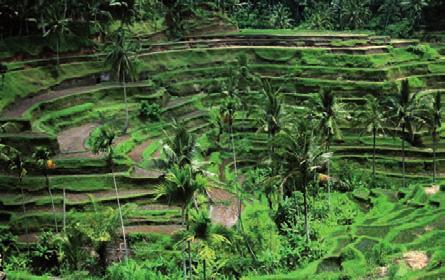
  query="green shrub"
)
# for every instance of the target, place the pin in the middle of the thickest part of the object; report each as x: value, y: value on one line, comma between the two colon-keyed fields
x: 381, y: 251
x: 150, y: 111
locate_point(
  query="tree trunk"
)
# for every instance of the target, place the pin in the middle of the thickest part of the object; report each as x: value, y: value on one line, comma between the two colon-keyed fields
x: 52, y: 200
x: 119, y: 207
x: 403, y: 156
x: 373, y: 154
x: 434, y: 155
x: 184, y: 262
x: 64, y: 209
x: 126, y: 106
x: 23, y: 206
x: 57, y: 51
x: 236, y: 172
x: 204, y: 269
x: 328, y: 141
x: 306, y: 222
x: 189, y: 249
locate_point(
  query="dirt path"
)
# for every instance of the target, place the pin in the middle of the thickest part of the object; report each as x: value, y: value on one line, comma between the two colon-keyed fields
x: 21, y: 106
x: 225, y: 207
x: 73, y: 139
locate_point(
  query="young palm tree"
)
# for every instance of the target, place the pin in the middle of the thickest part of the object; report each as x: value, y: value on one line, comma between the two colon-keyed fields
x: 102, y: 141
x: 42, y: 156
x: 408, y: 114
x: 373, y: 118
x: 12, y: 160
x: 119, y: 57
x: 206, y: 235
x: 433, y: 121
x: 181, y: 186
x: 300, y: 157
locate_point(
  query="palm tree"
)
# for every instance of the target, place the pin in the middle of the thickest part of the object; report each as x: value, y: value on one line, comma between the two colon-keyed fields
x: 102, y: 141
x: 408, y: 114
x: 433, y: 121
x: 119, y: 57
x: 207, y: 235
x: 12, y: 160
x: 373, y: 118
x: 178, y: 149
x: 272, y: 112
x: 230, y: 105
x: 182, y: 185
x: 329, y: 113
x: 42, y: 157
x: 58, y: 26
x: 300, y: 157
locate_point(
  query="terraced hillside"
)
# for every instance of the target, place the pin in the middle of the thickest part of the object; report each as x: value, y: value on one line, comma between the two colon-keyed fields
x: 399, y: 237
x: 58, y: 107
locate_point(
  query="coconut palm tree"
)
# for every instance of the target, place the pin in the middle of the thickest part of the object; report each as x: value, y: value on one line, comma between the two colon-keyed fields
x: 407, y: 116
x: 57, y: 27
x: 206, y: 235
x: 329, y: 114
x: 374, y: 119
x: 301, y: 157
x: 102, y: 141
x: 231, y: 103
x: 13, y: 162
x: 178, y: 149
x: 182, y: 185
x: 122, y: 69
x: 433, y: 121
x: 272, y: 112
x: 42, y: 157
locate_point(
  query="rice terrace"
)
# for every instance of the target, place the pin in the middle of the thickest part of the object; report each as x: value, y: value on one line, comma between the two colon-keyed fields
x: 209, y: 139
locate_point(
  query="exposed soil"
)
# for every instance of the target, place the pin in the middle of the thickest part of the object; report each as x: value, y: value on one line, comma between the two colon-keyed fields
x: 416, y: 259
x: 225, y: 207
x: 136, y: 153
x: 21, y: 106
x: 144, y: 173
x: 164, y: 229
x: 432, y: 190
x: 73, y: 139
x: 28, y: 238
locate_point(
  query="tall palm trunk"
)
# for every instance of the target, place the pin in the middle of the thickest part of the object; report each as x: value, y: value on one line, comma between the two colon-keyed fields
x: 126, y: 105
x: 403, y: 155
x: 434, y: 134
x: 184, y: 262
x: 306, y: 221
x: 57, y: 51
x: 52, y: 200
x: 374, y: 132
x: 23, y: 206
x: 189, y: 249
x: 329, y: 173
x: 236, y: 172
x: 64, y: 209
x: 118, y: 204
x: 204, y: 269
